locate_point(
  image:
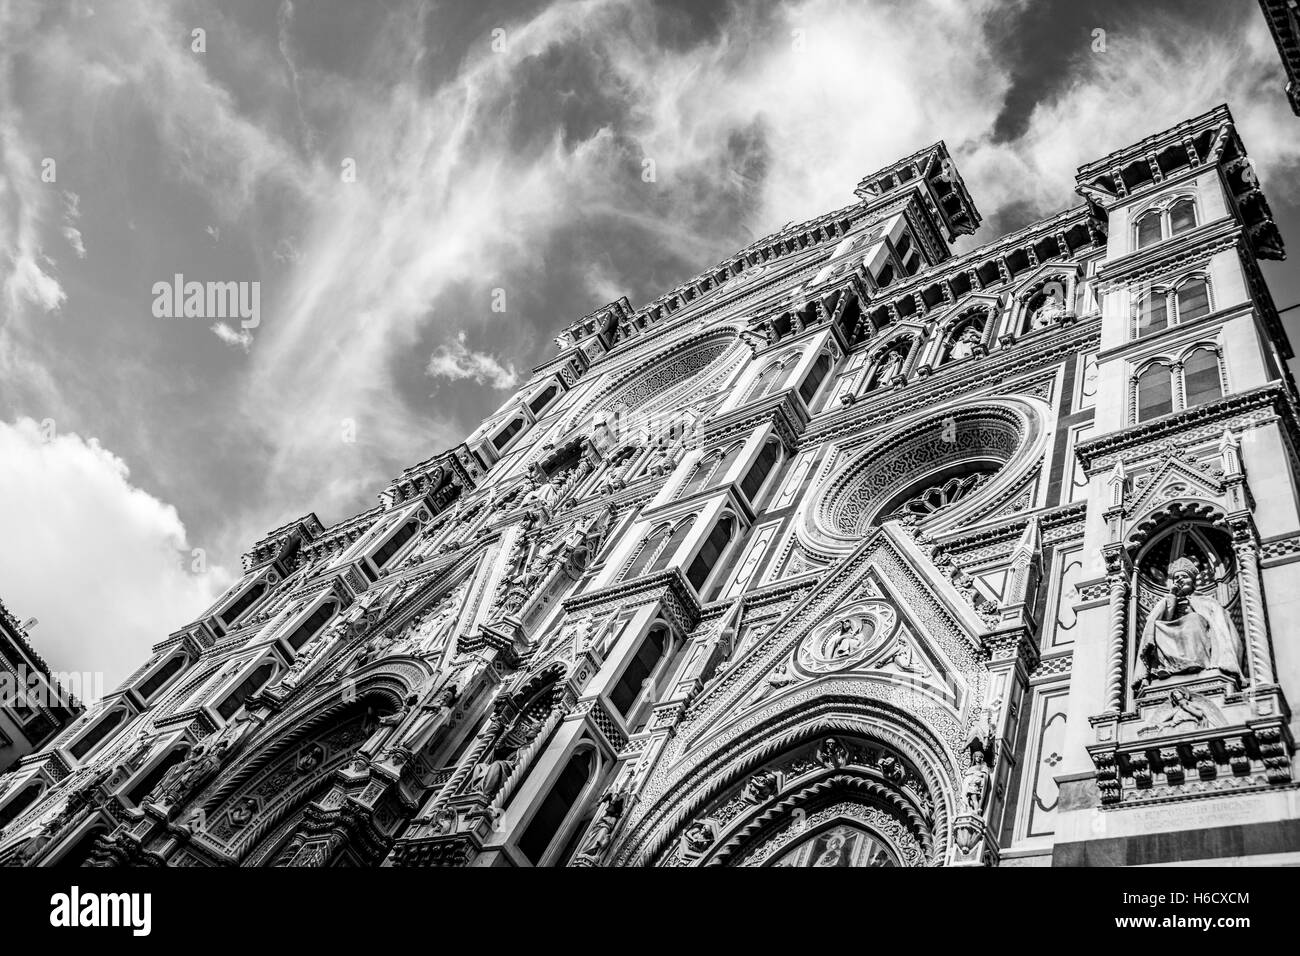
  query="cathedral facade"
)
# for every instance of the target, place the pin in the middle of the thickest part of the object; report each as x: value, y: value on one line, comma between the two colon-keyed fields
x: 853, y: 550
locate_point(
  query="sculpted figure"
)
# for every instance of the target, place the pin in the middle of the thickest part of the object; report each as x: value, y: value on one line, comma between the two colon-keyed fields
x: 974, y: 786
x: 966, y: 343
x: 698, y: 836
x: 1185, y: 711
x: 901, y: 655
x: 832, y: 754
x: 890, y: 365
x: 540, y: 497
x: 489, y: 776
x: 1186, y: 633
x: 760, y: 786
x: 1051, y: 310
x: 779, y: 678
x: 849, y: 640
x: 608, y: 814
x: 187, y: 776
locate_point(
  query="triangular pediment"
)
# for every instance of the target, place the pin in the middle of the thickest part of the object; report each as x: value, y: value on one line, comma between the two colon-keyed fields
x: 1175, y: 479
x: 884, y: 623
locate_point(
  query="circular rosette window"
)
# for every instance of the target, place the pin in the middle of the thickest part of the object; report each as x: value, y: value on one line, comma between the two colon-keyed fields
x: 945, y: 469
x: 847, y: 639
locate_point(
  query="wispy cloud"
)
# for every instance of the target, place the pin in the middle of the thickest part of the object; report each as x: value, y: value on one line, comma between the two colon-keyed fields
x: 241, y: 339
x: 457, y: 362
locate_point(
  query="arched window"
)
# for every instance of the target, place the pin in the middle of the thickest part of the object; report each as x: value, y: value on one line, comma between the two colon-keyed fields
x: 502, y: 438
x: 247, y: 687
x: 709, y: 553
x: 1193, y: 300
x: 243, y: 603
x: 542, y: 399
x: 700, y: 474
x: 639, y: 669
x: 762, y: 381
x: 23, y: 799
x: 649, y: 549
x: 1153, y: 312
x: 305, y: 631
x: 1148, y: 229
x: 1201, y: 379
x: 393, y: 545
x: 161, y: 676
x: 759, y: 471
x: 558, y: 804
x: 1155, y: 395
x: 814, y: 379
x: 1182, y: 216
x: 674, y: 542
x: 886, y: 276
x: 90, y: 741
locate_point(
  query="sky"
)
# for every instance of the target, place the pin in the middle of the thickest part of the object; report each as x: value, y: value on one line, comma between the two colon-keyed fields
x: 424, y: 193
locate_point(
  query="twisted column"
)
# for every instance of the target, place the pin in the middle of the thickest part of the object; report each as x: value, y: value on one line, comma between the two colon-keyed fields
x: 1252, y: 604
x: 1119, y: 589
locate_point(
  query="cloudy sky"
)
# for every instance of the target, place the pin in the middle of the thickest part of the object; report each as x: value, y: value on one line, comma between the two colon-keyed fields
x: 382, y: 168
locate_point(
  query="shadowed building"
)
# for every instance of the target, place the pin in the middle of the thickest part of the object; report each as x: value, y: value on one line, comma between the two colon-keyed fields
x: 849, y: 551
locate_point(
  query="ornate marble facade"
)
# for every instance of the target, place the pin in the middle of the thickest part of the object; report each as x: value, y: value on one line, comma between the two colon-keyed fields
x: 850, y: 551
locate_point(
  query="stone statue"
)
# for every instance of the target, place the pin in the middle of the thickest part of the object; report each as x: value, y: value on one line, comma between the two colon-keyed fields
x: 966, y: 344
x: 760, y: 786
x: 698, y: 837
x: 374, y: 649
x: 1052, y: 309
x: 186, y: 777
x: 1186, y: 633
x: 540, y: 497
x: 890, y: 365
x: 608, y: 813
x: 975, y: 785
x: 491, y: 775
x: 832, y: 754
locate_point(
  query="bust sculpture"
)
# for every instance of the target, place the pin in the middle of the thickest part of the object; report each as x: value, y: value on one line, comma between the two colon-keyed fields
x: 1186, y: 633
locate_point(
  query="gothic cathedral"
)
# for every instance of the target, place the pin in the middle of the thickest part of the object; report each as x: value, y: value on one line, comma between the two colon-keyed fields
x: 852, y: 550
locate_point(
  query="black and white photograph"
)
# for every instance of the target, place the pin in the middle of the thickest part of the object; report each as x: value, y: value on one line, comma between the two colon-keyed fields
x: 646, y: 434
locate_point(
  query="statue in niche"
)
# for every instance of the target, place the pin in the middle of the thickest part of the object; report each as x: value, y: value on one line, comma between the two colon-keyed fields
x: 187, y: 776
x: 888, y: 369
x: 1052, y: 309
x: 975, y: 785
x: 310, y: 759
x: 374, y: 649
x: 966, y: 344
x: 608, y: 813
x: 491, y: 775
x: 540, y: 497
x: 1186, y: 633
x: 1185, y: 711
